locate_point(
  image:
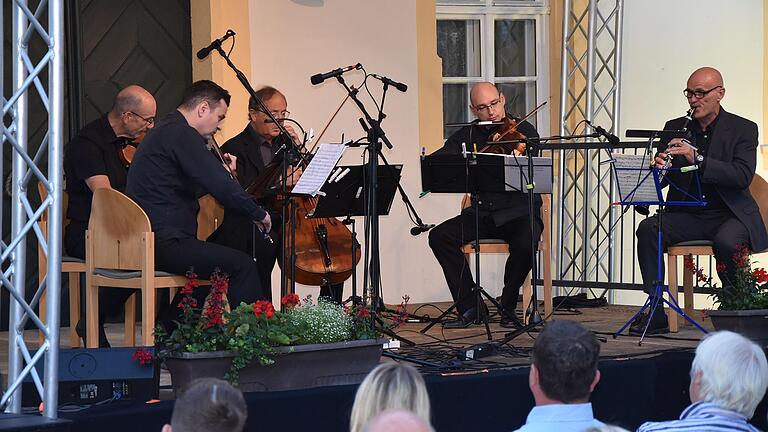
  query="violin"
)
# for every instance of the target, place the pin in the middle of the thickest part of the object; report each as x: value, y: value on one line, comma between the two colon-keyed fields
x: 499, y: 142
x: 129, y: 149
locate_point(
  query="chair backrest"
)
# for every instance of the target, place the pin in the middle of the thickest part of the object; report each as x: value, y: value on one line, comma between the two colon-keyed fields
x: 759, y: 190
x: 209, y: 217
x: 43, y: 193
x: 119, y: 231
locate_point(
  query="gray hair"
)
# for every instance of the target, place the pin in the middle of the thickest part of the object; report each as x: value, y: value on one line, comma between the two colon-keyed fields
x: 734, y: 372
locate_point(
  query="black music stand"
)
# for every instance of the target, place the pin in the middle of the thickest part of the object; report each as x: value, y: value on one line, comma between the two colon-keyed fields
x: 343, y: 195
x: 631, y: 198
x: 474, y: 173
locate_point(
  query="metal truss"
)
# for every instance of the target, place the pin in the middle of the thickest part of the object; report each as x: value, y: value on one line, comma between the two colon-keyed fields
x: 40, y: 76
x: 590, y: 82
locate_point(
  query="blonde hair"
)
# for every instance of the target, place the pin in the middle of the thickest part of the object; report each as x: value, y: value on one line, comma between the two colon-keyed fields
x: 389, y: 386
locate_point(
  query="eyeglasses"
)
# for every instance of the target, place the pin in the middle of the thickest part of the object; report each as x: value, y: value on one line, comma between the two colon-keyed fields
x: 150, y: 120
x: 278, y: 114
x: 491, y: 105
x: 698, y: 94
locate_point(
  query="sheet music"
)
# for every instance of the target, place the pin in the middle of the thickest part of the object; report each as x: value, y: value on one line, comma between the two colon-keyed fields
x: 314, y: 176
x: 630, y: 170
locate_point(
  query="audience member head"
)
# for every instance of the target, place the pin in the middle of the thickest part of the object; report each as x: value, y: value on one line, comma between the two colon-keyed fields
x: 730, y: 371
x: 276, y: 103
x: 606, y: 428
x: 204, y: 106
x: 564, y: 366
x: 208, y: 404
x: 397, y: 421
x: 389, y: 386
x: 133, y: 112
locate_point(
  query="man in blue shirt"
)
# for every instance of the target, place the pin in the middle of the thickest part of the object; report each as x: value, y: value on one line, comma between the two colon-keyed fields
x: 729, y: 376
x: 563, y: 375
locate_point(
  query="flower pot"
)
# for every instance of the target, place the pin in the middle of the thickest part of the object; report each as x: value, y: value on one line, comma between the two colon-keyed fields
x: 752, y: 324
x: 295, y: 367
x: 186, y: 367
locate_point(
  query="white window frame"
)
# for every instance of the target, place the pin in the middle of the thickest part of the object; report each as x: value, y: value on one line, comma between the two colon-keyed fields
x: 487, y: 14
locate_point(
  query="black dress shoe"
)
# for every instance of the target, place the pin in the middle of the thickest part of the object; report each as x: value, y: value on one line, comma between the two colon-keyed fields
x: 103, y: 341
x: 658, y: 325
x: 466, y: 319
x: 511, y: 323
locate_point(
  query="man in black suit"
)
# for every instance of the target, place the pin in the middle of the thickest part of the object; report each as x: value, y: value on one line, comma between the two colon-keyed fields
x: 724, y: 146
x: 502, y: 215
x: 260, y: 145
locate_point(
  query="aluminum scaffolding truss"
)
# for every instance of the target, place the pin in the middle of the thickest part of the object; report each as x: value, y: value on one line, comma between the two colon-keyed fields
x: 591, y: 78
x: 40, y: 76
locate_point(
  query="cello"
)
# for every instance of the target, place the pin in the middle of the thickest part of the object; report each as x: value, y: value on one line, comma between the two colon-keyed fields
x: 323, y: 245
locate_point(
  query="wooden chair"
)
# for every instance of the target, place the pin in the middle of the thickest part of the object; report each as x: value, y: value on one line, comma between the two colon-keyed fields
x: 759, y: 190
x: 210, y: 216
x: 72, y: 266
x: 500, y: 246
x: 120, y: 253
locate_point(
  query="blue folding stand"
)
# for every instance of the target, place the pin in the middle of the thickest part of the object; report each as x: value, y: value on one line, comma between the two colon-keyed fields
x: 627, y: 200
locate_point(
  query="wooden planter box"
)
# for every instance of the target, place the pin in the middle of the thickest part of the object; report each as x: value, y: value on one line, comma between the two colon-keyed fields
x: 295, y: 367
x: 752, y: 324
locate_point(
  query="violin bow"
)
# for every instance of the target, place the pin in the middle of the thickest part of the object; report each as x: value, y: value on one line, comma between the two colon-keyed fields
x: 327, y: 124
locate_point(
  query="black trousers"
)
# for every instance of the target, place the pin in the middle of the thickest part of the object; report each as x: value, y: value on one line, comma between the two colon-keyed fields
x: 447, y: 238
x: 237, y: 232
x: 719, y: 226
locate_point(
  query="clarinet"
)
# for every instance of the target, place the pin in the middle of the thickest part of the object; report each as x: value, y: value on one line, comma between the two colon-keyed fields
x: 668, y: 158
x: 643, y: 209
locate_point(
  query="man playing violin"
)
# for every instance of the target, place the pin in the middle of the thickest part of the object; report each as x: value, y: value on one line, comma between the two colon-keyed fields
x: 171, y: 169
x: 502, y: 215
x: 92, y: 160
x: 724, y: 146
x: 261, y: 144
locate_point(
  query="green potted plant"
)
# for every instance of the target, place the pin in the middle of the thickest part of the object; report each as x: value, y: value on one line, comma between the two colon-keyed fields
x: 260, y: 348
x: 743, y: 306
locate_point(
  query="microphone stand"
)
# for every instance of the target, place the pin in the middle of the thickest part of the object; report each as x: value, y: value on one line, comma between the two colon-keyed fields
x: 247, y: 85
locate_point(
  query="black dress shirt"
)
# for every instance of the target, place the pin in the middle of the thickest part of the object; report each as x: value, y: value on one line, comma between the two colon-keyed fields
x: 171, y: 169
x: 93, y: 151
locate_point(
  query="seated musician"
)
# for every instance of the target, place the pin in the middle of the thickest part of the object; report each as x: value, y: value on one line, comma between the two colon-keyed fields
x: 257, y: 147
x: 93, y: 159
x: 502, y: 215
x: 726, y: 153
x: 170, y: 170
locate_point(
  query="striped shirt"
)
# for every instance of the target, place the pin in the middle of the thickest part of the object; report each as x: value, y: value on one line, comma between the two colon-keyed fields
x: 704, y: 417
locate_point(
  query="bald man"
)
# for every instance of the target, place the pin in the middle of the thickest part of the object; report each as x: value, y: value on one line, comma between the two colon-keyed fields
x: 92, y: 161
x: 724, y: 146
x: 502, y: 215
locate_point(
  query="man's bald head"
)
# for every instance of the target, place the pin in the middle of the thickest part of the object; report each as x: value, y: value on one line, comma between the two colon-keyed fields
x: 708, y: 75
x: 707, y: 82
x: 134, y: 98
x: 487, y: 102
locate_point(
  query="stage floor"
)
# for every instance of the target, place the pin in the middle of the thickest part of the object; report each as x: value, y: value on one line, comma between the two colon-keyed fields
x: 441, y: 349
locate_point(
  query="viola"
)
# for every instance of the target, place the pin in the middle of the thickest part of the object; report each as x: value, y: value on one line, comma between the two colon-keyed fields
x: 128, y: 149
x: 508, y: 132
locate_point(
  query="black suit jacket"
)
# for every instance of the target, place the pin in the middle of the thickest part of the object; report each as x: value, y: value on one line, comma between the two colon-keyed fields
x: 729, y: 165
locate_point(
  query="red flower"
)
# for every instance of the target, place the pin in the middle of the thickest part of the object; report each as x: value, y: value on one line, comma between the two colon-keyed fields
x: 720, y: 267
x: 143, y: 356
x: 363, y: 313
x: 264, y: 307
x: 761, y: 275
x: 290, y: 300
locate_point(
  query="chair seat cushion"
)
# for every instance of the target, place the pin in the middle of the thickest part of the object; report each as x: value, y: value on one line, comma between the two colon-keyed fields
x: 693, y: 243
x: 127, y: 274
x: 71, y: 259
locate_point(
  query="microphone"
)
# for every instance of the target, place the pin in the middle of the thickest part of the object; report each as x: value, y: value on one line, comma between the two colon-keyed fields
x: 611, y: 138
x: 400, y: 86
x: 318, y: 78
x: 203, y: 53
x: 421, y: 228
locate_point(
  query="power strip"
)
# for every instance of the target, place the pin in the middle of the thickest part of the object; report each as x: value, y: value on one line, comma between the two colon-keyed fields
x: 476, y: 352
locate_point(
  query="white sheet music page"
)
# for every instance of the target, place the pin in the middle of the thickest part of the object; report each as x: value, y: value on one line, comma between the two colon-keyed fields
x: 632, y: 170
x: 314, y: 176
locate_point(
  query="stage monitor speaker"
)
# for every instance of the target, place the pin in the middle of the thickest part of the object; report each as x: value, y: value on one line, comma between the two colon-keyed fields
x: 92, y: 375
